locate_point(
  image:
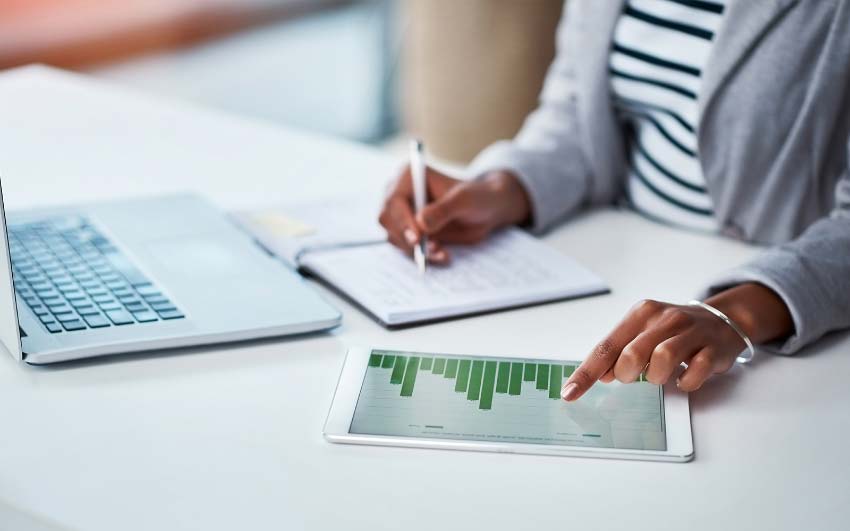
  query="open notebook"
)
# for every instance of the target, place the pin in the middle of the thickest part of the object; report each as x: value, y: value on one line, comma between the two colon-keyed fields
x: 341, y: 245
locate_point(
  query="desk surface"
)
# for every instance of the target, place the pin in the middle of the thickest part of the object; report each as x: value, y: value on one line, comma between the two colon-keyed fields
x: 231, y: 437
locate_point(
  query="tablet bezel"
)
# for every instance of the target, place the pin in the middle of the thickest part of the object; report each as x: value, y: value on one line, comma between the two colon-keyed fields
x: 676, y: 414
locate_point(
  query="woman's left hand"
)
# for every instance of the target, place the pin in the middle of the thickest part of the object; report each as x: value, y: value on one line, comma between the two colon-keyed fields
x: 658, y: 337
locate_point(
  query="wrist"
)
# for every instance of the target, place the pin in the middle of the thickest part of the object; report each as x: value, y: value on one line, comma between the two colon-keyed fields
x: 756, y: 309
x: 515, y: 206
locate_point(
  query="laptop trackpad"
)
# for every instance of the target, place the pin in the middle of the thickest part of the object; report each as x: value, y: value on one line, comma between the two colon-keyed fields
x: 205, y: 258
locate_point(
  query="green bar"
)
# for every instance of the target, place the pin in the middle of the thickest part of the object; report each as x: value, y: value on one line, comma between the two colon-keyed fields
x: 568, y: 370
x: 555, y: 382
x: 425, y: 364
x: 542, y: 376
x: 410, y: 377
x: 516, y: 379
x: 504, y: 376
x: 462, y: 376
x: 398, y: 370
x: 487, y: 386
x: 474, y: 391
x: 530, y: 372
x: 439, y: 366
x: 388, y: 362
x: 375, y: 360
x: 451, y: 369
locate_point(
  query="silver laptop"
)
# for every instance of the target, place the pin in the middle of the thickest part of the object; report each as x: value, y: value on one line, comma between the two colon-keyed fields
x: 138, y: 275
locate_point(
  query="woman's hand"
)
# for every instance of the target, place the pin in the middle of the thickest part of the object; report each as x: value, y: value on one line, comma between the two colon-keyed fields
x: 457, y: 212
x: 658, y: 337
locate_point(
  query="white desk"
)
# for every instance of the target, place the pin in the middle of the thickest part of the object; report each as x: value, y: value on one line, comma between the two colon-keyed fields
x: 230, y: 438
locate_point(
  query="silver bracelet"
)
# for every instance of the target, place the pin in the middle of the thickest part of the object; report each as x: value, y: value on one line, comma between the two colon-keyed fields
x: 750, y: 350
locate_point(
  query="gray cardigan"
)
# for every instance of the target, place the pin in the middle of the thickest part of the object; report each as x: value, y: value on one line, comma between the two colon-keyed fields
x: 772, y: 136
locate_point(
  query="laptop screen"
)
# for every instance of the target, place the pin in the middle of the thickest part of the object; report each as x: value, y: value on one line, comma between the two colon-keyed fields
x: 9, y: 329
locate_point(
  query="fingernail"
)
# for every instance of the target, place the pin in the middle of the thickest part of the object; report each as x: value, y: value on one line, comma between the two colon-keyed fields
x: 410, y: 236
x: 569, y: 391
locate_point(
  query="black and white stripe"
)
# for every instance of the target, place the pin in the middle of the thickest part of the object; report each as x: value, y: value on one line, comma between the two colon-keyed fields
x: 659, y: 51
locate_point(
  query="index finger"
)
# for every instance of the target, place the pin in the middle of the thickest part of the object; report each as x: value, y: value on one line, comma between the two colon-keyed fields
x: 601, y: 358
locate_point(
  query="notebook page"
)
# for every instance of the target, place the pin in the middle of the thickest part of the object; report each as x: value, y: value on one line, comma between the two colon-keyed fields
x: 509, y: 269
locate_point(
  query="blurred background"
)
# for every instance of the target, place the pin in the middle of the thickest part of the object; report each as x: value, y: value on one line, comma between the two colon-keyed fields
x: 459, y: 73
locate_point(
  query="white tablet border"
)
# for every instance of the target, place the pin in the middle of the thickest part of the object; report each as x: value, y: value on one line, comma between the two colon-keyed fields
x: 677, y: 421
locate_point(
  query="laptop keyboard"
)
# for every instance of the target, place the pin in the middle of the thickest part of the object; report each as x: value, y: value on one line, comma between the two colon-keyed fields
x: 73, y: 278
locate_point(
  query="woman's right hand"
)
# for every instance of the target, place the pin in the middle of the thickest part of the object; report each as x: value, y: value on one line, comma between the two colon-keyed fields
x: 463, y: 212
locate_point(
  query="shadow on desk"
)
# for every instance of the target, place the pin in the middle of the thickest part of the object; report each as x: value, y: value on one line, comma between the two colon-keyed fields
x: 182, y: 362
x: 721, y: 390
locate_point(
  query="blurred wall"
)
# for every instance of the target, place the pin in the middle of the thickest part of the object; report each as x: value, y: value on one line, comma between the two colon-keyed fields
x: 473, y: 69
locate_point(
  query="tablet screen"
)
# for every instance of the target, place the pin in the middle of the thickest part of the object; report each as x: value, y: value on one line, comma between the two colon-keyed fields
x: 408, y: 394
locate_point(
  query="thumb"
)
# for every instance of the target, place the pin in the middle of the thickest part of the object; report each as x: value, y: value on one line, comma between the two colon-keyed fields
x: 444, y: 210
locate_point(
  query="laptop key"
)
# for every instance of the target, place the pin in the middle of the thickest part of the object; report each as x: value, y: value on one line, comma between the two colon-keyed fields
x: 170, y: 314
x: 162, y: 306
x: 67, y: 317
x: 110, y: 306
x: 75, y: 296
x: 147, y: 290
x: 145, y: 316
x: 77, y: 303
x: 53, y: 328
x: 96, y: 321
x: 76, y: 324
x: 120, y: 317
x: 88, y: 310
x: 46, y: 319
x: 67, y: 287
x: 135, y: 306
x: 39, y: 310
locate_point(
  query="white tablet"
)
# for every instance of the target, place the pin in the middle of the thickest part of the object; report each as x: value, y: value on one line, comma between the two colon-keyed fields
x: 496, y: 404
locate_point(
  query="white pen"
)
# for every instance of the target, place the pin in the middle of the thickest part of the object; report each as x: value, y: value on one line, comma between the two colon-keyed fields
x: 417, y: 171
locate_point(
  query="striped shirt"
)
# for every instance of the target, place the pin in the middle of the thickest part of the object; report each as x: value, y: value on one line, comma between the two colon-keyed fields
x: 659, y: 51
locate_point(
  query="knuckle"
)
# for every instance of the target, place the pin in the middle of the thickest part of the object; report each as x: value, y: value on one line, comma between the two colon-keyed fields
x: 664, y: 355
x: 701, y: 362
x: 630, y: 358
x: 677, y: 318
x: 656, y: 377
x: 383, y: 219
x: 648, y: 307
x: 688, y: 385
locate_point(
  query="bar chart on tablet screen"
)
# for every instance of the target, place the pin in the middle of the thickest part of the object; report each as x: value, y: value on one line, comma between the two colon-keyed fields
x: 502, y: 400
